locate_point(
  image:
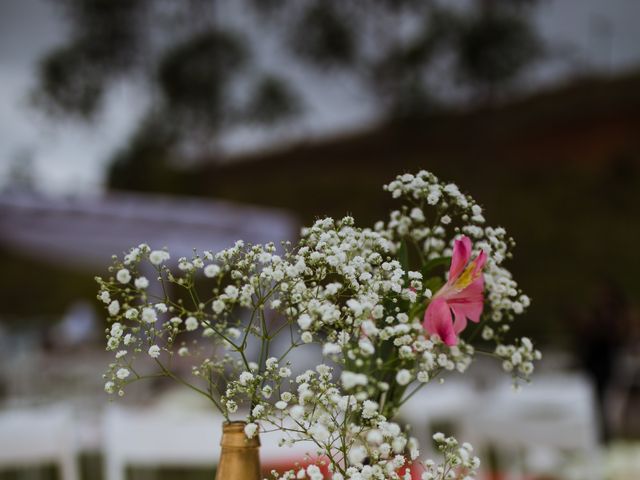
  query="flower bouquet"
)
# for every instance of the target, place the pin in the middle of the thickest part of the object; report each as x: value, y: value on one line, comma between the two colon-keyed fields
x: 386, y: 310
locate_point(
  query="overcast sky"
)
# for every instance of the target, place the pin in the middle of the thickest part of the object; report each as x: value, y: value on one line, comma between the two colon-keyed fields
x: 70, y: 158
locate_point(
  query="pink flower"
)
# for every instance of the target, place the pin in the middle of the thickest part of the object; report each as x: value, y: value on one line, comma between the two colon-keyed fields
x: 461, y: 298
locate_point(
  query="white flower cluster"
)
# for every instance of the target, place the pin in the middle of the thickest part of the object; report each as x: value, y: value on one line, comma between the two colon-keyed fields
x: 518, y: 359
x: 262, y: 388
x: 360, y: 293
x: 458, y: 462
x: 453, y: 214
x: 169, y: 324
x: 318, y: 411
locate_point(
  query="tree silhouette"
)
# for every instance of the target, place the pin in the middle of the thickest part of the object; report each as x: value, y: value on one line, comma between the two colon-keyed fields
x: 201, y: 62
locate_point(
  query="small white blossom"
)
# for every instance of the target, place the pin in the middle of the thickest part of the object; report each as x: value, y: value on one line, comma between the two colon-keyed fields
x: 250, y: 430
x: 403, y: 377
x: 369, y: 409
x: 149, y: 315
x: 211, y: 270
x: 357, y: 454
x: 114, y: 308
x: 191, y: 323
x: 154, y: 351
x: 158, y: 256
x: 123, y: 275
x: 245, y: 378
x: 304, y: 321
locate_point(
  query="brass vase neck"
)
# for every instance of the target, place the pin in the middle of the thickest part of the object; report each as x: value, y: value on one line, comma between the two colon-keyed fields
x: 233, y: 436
x: 240, y: 456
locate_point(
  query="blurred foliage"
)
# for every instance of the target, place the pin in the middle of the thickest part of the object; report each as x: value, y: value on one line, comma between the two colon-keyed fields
x: 74, y: 76
x: 39, y: 290
x: 70, y: 82
x: 495, y: 47
x: 272, y: 101
x: 324, y: 36
x: 150, y: 146
x: 194, y: 76
x: 203, y: 67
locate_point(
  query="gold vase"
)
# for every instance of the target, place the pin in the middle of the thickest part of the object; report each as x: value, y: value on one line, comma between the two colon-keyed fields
x: 240, y: 456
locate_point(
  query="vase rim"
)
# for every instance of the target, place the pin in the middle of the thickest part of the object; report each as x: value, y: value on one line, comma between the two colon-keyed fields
x: 234, y: 425
x: 233, y: 436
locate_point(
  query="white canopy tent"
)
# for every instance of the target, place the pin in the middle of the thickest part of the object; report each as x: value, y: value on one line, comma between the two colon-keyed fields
x: 86, y: 231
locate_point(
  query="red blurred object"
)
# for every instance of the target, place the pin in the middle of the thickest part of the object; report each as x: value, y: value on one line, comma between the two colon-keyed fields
x: 322, y: 462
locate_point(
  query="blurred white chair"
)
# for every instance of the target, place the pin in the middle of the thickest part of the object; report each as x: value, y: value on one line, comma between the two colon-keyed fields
x: 619, y: 395
x: 437, y: 403
x: 541, y: 426
x: 172, y: 436
x: 38, y: 437
x: 159, y: 437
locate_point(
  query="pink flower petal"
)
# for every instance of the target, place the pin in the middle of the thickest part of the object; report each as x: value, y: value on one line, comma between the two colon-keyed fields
x: 460, y: 320
x: 469, y: 302
x: 478, y: 263
x: 438, y: 321
x: 461, y: 255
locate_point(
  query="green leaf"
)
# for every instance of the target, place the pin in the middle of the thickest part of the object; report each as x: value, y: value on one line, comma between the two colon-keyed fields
x: 417, y: 309
x: 433, y: 263
x: 403, y: 255
x: 434, y: 284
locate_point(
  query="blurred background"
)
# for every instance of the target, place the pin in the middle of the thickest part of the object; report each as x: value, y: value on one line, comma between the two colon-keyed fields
x: 193, y: 123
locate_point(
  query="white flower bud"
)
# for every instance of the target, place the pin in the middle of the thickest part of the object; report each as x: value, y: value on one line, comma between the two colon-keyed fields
x: 154, y: 351
x: 123, y: 275
x: 250, y: 430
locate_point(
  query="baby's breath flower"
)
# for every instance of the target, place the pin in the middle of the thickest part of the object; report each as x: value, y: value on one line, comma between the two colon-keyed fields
x: 211, y: 270
x: 114, y: 308
x: 123, y: 275
x: 245, y: 378
x: 149, y: 315
x: 250, y: 430
x: 218, y: 306
x: 304, y: 321
x: 349, y: 289
x: 191, y: 323
x: 158, y: 256
x: 403, y: 377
